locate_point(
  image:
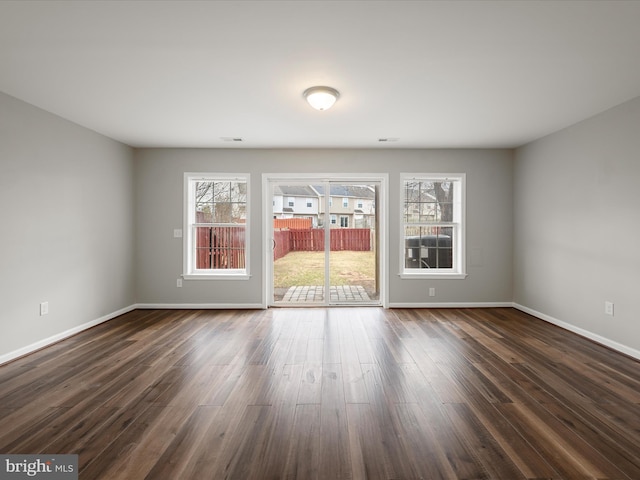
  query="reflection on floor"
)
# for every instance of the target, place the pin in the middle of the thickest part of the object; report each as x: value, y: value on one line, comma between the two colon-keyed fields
x: 339, y: 293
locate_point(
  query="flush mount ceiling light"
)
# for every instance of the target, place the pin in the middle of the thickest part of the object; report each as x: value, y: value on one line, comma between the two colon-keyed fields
x: 321, y: 98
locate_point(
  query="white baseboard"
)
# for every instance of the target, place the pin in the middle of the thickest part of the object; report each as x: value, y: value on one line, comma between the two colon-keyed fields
x: 229, y: 306
x: 200, y: 306
x: 62, y: 335
x: 580, y: 331
x: 452, y: 305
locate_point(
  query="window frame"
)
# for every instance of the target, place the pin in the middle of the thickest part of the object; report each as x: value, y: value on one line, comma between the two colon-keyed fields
x: 189, y: 272
x: 458, y: 270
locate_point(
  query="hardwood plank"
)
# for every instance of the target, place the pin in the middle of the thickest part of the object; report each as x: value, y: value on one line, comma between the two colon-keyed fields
x: 355, y: 389
x: 454, y: 457
x: 275, y: 439
x: 168, y: 450
x: 311, y: 384
x: 492, y: 460
x: 327, y: 393
x: 369, y: 454
x: 620, y: 446
x: 334, y: 455
x: 303, y: 456
x: 423, y: 448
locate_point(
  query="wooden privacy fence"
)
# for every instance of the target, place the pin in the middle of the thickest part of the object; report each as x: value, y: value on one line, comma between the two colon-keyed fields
x: 281, y: 243
x: 220, y: 247
x: 223, y: 247
x: 291, y: 223
x: 312, y: 240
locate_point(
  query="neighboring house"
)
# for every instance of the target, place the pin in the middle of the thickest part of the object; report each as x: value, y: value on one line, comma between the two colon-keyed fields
x: 350, y: 206
x: 364, y: 212
x: 420, y: 204
x: 292, y: 201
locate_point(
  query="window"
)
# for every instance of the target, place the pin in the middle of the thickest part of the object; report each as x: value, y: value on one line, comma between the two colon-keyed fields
x: 433, y: 226
x: 344, y: 221
x: 360, y: 204
x: 345, y: 202
x: 291, y: 201
x: 216, y: 226
x: 334, y: 219
x: 309, y: 203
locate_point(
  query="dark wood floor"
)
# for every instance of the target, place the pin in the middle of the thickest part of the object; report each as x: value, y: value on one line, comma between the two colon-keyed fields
x: 344, y: 393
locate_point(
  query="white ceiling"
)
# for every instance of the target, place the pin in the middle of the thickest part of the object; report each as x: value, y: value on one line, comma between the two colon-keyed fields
x: 431, y: 74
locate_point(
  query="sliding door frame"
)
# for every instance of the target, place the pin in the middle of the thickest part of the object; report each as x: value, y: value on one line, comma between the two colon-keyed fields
x: 382, y: 210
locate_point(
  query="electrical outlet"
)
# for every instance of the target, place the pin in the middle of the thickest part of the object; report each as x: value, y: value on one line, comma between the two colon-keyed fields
x: 608, y: 308
x: 432, y: 292
x: 44, y: 308
x: 179, y: 283
x: 177, y: 233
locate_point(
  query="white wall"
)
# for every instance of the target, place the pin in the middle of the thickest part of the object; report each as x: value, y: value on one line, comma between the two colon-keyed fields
x: 66, y: 229
x: 159, y: 208
x: 577, y: 226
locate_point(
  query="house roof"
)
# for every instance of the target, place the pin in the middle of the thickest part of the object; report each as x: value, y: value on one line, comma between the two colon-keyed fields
x: 356, y: 191
x: 296, y: 191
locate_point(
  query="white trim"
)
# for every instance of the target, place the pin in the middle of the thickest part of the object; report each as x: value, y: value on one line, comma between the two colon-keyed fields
x: 305, y: 179
x: 21, y: 352
x: 451, y: 305
x: 188, y: 262
x: 433, y: 276
x: 580, y: 331
x: 200, y: 306
x: 216, y: 276
x: 8, y: 357
x: 459, y: 259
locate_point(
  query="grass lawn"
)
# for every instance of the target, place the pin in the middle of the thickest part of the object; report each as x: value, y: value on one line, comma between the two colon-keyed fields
x: 307, y: 268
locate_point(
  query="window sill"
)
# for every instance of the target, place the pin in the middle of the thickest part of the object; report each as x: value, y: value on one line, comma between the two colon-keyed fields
x: 216, y: 276
x: 432, y: 276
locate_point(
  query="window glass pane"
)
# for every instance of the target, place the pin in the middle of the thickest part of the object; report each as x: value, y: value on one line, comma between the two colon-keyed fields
x: 443, y: 192
x: 428, y: 247
x: 217, y: 234
x: 203, y: 196
x: 204, y: 215
x: 430, y: 203
x: 409, y: 210
x: 239, y: 192
x: 219, y: 247
x: 223, y: 212
x: 428, y: 212
x: 220, y: 202
x: 222, y: 192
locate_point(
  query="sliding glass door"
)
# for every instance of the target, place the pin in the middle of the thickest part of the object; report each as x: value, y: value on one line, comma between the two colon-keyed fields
x: 325, y: 238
